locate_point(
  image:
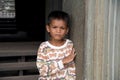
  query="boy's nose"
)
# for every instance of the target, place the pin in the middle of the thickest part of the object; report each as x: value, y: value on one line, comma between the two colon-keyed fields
x: 58, y: 30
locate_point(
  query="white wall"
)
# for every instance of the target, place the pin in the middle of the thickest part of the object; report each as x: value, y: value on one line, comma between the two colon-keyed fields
x: 102, y: 40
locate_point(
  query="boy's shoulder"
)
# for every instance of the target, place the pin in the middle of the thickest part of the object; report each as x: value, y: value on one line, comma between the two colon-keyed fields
x: 43, y: 43
x: 69, y: 41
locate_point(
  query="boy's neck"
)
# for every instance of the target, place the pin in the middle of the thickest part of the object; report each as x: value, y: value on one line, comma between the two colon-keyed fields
x: 57, y: 42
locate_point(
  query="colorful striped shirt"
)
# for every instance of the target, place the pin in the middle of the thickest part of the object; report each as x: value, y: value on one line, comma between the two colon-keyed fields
x: 49, y: 62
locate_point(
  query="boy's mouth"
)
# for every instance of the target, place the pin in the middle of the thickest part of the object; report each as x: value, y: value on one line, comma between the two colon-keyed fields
x: 58, y: 35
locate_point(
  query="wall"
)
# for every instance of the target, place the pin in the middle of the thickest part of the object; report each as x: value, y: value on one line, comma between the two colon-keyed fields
x: 76, y: 9
x: 102, y: 46
x: 95, y: 30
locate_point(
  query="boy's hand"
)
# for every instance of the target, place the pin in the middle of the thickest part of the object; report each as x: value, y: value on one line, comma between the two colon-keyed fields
x: 69, y: 58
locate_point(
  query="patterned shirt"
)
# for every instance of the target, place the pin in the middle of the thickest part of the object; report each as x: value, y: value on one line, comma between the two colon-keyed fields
x: 49, y: 62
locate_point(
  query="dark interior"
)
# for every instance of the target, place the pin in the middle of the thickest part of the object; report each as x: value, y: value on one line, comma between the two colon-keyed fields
x: 28, y: 24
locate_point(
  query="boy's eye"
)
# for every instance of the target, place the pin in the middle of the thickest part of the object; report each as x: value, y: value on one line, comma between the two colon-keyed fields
x: 62, y: 28
x: 54, y: 27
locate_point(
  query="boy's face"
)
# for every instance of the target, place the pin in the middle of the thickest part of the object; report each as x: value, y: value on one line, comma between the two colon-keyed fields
x: 57, y: 29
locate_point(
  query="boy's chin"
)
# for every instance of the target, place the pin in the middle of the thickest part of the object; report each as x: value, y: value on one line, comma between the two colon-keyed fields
x: 58, y: 39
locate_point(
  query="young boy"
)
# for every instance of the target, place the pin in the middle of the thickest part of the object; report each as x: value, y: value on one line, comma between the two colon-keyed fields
x: 55, y: 57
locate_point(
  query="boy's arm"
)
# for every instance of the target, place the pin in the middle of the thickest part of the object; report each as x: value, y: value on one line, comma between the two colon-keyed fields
x: 47, y: 67
x: 69, y: 58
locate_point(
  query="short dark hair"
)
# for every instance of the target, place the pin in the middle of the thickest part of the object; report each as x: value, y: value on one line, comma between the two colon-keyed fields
x: 61, y: 15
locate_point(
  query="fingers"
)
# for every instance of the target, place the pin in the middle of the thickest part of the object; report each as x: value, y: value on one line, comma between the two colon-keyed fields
x: 73, y: 54
x: 73, y: 51
x: 70, y: 57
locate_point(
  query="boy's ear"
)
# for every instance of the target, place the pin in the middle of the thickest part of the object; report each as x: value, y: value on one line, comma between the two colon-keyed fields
x: 47, y: 28
x: 67, y: 30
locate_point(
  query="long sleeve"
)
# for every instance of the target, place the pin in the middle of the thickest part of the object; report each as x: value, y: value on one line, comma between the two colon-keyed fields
x: 46, y: 66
